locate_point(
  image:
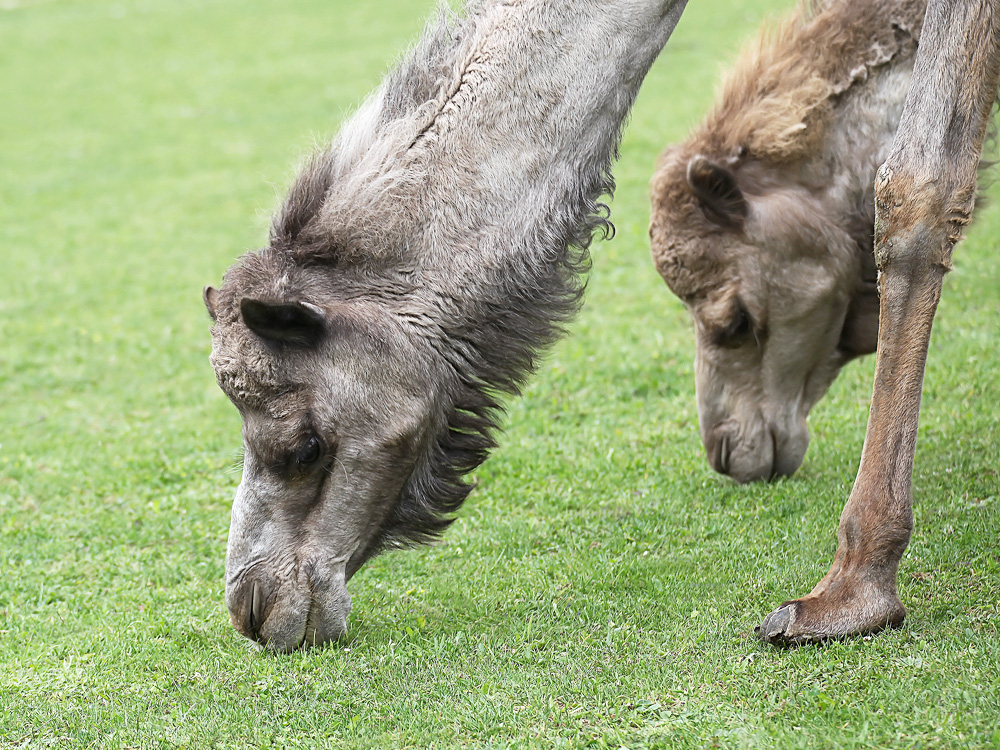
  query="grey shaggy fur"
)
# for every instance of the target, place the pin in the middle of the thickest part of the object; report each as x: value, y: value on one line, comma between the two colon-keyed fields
x: 487, y: 345
x: 417, y: 269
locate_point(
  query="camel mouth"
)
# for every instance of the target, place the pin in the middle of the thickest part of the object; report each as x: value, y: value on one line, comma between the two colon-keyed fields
x: 310, y: 612
x: 760, y: 452
x: 318, y: 630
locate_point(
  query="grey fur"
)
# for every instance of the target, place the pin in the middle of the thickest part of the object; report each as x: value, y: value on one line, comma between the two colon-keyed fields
x: 444, y: 234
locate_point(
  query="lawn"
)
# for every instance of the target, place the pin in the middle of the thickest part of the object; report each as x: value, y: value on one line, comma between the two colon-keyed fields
x: 598, y: 589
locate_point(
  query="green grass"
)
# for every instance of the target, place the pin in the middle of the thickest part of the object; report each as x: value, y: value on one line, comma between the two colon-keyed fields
x: 600, y: 587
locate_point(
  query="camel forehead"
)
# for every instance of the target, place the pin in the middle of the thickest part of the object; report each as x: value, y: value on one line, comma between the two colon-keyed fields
x: 692, y: 273
x: 253, y: 373
x: 710, y: 270
x: 360, y: 368
x: 251, y: 376
x: 699, y: 264
x: 257, y: 376
x: 687, y: 249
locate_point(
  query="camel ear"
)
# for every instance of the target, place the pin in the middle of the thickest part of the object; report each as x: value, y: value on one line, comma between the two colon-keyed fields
x: 286, y: 322
x: 718, y: 193
x: 211, y: 296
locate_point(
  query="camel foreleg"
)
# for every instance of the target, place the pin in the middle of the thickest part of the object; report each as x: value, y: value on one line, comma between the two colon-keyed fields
x: 925, y: 193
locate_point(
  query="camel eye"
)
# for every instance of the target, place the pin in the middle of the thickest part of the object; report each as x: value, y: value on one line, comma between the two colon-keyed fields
x: 309, y: 453
x: 741, y: 324
x: 737, y: 331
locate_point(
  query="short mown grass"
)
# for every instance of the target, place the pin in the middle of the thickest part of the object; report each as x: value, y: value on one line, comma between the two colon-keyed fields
x: 599, y: 588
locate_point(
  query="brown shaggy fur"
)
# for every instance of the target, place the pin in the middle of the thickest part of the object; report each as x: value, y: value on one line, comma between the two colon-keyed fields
x: 769, y: 127
x: 779, y: 97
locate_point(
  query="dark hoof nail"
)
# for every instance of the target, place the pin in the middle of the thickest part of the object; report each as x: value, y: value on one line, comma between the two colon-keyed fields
x: 775, y: 625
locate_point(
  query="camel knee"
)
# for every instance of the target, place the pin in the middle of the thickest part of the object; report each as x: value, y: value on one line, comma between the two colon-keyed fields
x: 919, y: 218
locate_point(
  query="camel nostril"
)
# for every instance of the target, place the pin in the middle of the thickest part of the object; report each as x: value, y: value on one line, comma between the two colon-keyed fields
x: 789, y: 450
x: 256, y: 612
x: 775, y: 471
x: 718, y: 449
x: 248, y: 607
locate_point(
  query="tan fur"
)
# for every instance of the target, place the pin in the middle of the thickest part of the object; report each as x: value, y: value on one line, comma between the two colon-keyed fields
x: 777, y: 101
x: 771, y: 122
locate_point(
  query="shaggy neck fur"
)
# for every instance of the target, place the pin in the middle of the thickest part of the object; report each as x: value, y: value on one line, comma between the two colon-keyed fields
x: 460, y: 201
x: 807, y: 112
x: 780, y: 100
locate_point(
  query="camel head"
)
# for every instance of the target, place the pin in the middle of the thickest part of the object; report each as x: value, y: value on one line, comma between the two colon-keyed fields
x: 339, y: 414
x: 777, y: 286
x: 358, y: 378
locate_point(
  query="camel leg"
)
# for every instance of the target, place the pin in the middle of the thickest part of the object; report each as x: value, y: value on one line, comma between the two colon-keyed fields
x: 924, y: 195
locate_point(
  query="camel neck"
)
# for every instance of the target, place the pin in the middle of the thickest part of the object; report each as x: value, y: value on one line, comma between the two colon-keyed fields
x: 519, y: 143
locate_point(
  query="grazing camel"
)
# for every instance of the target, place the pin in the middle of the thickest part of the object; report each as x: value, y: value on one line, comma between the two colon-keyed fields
x: 924, y: 195
x: 762, y: 223
x: 420, y: 264
x: 717, y: 187
x: 416, y: 270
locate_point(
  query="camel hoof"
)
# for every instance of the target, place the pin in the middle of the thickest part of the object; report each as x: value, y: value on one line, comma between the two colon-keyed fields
x: 774, y: 629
